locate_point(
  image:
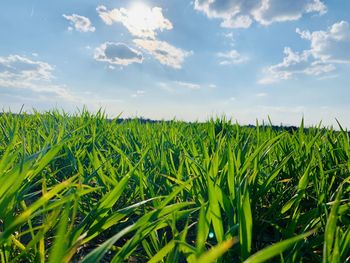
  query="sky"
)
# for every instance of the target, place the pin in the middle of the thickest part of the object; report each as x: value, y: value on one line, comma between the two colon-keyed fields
x: 188, y: 60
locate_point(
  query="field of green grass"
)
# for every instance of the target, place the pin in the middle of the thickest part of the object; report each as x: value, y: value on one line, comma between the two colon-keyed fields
x: 82, y: 188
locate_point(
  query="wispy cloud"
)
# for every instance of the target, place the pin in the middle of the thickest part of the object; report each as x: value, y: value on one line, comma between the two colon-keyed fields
x: 185, y: 87
x: 231, y: 57
x: 331, y: 45
x: 228, y: 35
x: 138, y: 93
x: 334, y: 76
x: 261, y: 94
x: 18, y: 72
x: 79, y: 23
x: 117, y: 53
x: 32, y: 82
x: 19, y: 67
x: 188, y: 85
x: 327, y: 49
x: 165, y: 53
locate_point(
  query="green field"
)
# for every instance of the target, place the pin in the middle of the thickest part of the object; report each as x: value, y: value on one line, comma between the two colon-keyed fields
x: 83, y: 188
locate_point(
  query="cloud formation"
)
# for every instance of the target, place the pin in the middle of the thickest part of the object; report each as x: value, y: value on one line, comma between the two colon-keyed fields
x: 165, y: 53
x: 327, y: 48
x: 79, y: 23
x: 138, y: 93
x: 231, y: 57
x: 242, y: 13
x: 331, y: 45
x: 23, y: 68
x: 188, y: 85
x: 294, y: 64
x: 185, y: 87
x: 144, y: 23
x: 141, y: 21
x: 118, y: 54
x: 18, y: 72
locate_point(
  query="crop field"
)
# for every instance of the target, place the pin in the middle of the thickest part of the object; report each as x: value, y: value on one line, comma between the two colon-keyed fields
x: 84, y: 188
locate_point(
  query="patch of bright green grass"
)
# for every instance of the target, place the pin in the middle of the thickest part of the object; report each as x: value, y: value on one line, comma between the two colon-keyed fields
x: 82, y: 188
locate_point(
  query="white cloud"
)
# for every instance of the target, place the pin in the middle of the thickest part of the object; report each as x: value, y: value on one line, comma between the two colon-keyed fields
x: 295, y: 64
x: 237, y: 22
x: 292, y: 64
x: 229, y: 35
x: 80, y: 23
x: 138, y: 93
x: 231, y: 57
x: 117, y: 53
x: 140, y: 20
x: 144, y: 23
x: 317, y: 68
x: 188, y: 85
x: 272, y: 11
x: 241, y: 14
x: 23, y: 68
x: 165, y: 53
x: 327, y: 48
x: 334, y: 76
x: 17, y: 72
x: 262, y: 94
x: 331, y: 45
x: 181, y: 87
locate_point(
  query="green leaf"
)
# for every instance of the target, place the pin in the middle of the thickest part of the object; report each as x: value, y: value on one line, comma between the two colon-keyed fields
x: 330, y: 232
x: 216, y: 252
x: 60, y: 244
x: 276, y: 249
x: 163, y: 252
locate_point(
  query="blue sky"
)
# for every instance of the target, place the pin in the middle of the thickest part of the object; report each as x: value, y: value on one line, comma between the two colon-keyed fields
x: 188, y: 60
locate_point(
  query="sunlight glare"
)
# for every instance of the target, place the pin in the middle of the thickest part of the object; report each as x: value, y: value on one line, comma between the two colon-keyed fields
x: 140, y: 15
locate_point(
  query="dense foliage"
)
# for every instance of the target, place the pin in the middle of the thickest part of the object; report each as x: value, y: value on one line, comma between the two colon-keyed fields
x: 84, y: 188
